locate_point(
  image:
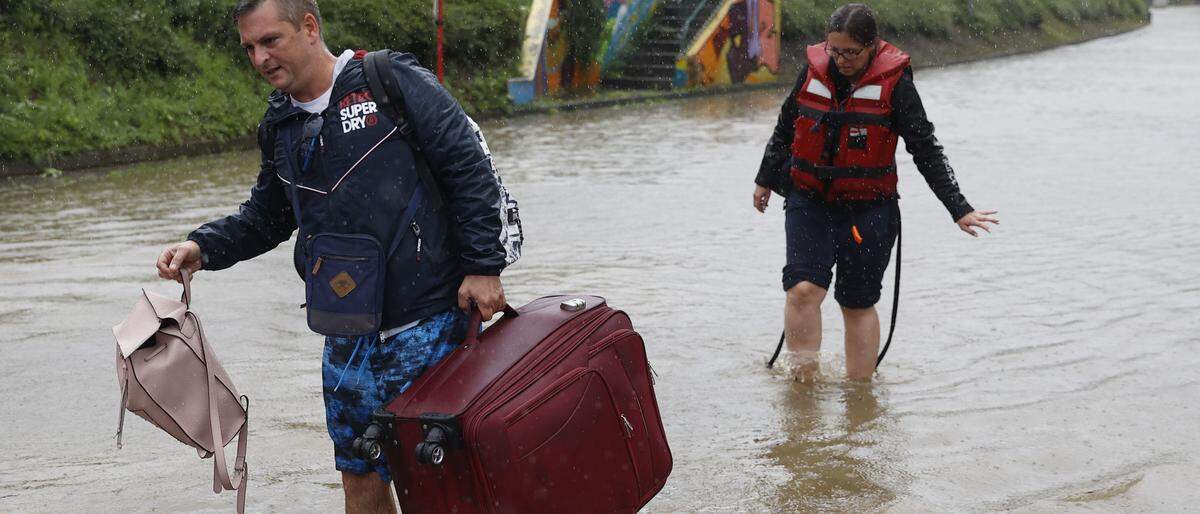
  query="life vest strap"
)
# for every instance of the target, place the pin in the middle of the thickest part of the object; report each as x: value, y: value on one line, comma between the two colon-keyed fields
x: 838, y: 118
x: 829, y: 173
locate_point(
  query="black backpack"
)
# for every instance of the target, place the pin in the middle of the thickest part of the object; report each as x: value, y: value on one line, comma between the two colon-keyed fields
x: 389, y: 98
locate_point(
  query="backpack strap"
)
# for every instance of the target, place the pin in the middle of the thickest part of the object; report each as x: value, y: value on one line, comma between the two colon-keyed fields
x: 385, y: 88
x: 124, y: 402
x: 222, y: 479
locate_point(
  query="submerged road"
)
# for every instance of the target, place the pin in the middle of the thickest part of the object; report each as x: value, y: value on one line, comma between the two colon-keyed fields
x: 1049, y: 366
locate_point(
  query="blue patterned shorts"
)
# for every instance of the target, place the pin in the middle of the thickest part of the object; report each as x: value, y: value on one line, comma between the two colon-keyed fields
x: 360, y: 374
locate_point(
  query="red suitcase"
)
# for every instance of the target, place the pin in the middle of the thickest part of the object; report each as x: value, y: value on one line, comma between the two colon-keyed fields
x: 551, y: 409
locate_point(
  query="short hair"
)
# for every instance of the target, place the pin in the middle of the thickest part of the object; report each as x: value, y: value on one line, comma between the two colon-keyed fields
x: 292, y: 11
x: 857, y: 20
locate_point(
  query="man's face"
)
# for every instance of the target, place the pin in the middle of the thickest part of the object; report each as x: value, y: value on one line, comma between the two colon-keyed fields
x: 278, y: 50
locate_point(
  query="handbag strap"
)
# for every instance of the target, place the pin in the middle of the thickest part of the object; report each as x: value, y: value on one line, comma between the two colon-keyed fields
x: 221, y: 476
x: 187, y: 286
x: 124, y: 405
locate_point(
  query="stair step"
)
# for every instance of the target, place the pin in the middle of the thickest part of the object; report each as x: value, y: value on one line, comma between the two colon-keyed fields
x: 650, y: 59
x: 658, y: 69
x: 672, y: 42
x: 639, y: 83
x: 659, y: 73
x: 659, y: 32
x: 641, y: 62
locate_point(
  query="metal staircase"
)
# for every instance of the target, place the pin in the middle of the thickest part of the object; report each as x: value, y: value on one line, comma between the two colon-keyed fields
x: 651, y: 65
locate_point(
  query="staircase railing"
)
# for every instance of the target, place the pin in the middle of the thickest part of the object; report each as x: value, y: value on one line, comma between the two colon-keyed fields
x: 686, y: 33
x: 623, y: 33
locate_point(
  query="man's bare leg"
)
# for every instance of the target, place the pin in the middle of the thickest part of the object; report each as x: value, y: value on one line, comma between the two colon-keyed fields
x: 802, y: 326
x: 367, y: 494
x: 862, y: 342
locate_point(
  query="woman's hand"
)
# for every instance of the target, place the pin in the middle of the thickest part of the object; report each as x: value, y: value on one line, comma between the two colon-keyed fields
x: 976, y: 219
x: 762, y: 196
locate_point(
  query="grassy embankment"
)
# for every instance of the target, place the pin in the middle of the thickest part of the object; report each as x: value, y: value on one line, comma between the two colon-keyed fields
x: 88, y: 77
x: 940, y: 32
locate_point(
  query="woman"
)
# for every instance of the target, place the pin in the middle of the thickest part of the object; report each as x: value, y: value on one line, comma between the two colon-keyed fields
x: 832, y: 157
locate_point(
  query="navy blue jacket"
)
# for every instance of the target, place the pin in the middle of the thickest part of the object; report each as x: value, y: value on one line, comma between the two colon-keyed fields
x: 360, y: 176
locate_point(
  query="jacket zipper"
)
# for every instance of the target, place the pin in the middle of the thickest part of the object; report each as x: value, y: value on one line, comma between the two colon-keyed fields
x: 416, y: 230
x: 344, y: 258
x: 321, y: 260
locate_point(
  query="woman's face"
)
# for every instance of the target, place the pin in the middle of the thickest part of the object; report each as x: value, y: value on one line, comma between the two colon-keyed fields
x: 850, y: 56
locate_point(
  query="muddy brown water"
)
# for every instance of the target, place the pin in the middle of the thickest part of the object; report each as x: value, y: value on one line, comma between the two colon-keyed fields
x: 1051, y: 366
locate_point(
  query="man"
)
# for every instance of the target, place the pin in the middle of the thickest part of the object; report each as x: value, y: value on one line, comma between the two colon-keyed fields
x: 329, y: 153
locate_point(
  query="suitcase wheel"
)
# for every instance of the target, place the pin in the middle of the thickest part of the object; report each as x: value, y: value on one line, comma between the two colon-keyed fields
x: 367, y: 445
x: 442, y: 432
x: 431, y: 453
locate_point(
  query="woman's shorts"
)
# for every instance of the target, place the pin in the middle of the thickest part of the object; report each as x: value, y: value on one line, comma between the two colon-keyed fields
x: 820, y: 237
x: 360, y: 374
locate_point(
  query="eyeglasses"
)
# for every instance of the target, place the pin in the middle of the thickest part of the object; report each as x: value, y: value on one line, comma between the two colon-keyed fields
x: 311, y: 136
x: 845, y: 54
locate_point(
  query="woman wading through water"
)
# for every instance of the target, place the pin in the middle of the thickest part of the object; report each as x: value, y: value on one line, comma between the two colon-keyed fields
x: 833, y: 158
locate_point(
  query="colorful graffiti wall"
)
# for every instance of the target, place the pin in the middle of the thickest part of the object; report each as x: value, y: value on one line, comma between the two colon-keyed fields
x: 739, y: 45
x: 560, y: 52
x: 561, y: 55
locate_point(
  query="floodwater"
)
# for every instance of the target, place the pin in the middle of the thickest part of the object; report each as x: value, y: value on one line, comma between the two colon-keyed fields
x: 1049, y: 366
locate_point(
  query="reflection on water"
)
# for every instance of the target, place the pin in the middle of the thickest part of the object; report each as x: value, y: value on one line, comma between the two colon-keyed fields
x: 828, y: 425
x: 1049, y: 367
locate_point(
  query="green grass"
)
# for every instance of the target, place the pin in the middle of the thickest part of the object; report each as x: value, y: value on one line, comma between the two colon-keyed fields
x: 100, y: 74
x: 82, y: 75
x: 805, y: 20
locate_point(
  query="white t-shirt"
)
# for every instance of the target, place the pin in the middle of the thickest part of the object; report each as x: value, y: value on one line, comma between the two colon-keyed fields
x: 321, y: 102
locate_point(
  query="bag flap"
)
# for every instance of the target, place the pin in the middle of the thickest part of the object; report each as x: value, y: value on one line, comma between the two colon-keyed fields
x: 145, y: 319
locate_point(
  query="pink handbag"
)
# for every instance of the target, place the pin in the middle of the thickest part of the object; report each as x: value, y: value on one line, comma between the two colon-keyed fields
x: 170, y: 377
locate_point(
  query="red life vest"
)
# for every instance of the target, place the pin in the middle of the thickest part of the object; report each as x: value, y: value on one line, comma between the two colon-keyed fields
x: 846, y: 150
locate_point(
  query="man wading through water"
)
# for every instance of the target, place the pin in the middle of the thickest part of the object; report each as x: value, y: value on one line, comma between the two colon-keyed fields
x: 833, y: 158
x: 328, y: 151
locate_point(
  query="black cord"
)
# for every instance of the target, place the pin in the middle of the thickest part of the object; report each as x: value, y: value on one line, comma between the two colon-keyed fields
x: 895, y: 305
x: 771, y: 363
x: 895, y: 292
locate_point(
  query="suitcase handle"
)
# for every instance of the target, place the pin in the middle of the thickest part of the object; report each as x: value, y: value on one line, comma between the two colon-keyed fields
x: 476, y: 322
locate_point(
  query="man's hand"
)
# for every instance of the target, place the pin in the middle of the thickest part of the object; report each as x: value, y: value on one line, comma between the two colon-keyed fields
x: 976, y: 219
x: 487, y: 293
x: 762, y: 196
x: 184, y: 255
